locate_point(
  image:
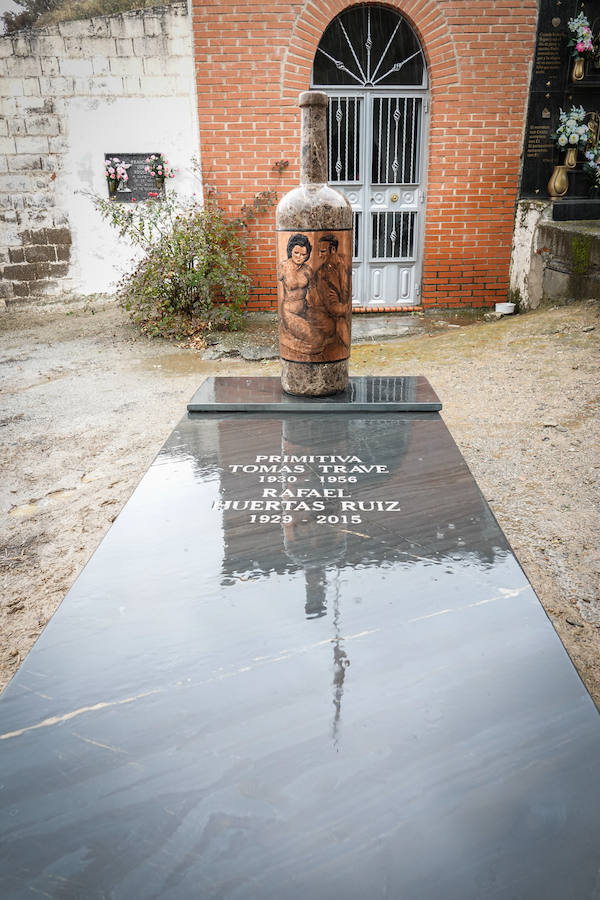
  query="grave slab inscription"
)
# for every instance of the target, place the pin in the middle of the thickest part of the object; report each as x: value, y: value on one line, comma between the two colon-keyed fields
x: 303, y: 662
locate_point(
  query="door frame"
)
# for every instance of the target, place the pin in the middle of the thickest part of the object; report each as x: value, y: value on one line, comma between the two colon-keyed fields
x: 361, y: 197
x: 363, y: 266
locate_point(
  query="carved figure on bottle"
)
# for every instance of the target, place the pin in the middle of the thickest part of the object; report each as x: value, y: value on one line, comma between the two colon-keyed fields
x: 314, y: 276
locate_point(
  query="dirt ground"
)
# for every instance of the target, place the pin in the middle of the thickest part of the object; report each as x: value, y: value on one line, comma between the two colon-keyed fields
x: 85, y: 404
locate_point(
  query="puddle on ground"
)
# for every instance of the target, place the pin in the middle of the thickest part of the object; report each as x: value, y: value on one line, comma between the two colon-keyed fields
x: 450, y: 322
x: 177, y: 364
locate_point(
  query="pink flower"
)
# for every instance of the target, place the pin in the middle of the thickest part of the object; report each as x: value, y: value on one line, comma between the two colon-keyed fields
x: 580, y: 46
x: 133, y: 200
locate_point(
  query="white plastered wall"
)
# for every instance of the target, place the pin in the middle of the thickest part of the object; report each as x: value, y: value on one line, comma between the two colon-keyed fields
x: 96, y: 126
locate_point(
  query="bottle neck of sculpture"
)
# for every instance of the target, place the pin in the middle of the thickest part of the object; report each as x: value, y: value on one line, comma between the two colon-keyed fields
x: 313, y: 138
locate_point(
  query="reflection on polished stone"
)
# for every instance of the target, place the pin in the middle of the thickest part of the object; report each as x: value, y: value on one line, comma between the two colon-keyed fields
x: 304, y: 662
x: 363, y: 394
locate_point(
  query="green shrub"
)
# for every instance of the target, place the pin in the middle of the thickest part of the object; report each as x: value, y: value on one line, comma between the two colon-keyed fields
x: 193, y: 277
x: 193, y: 274
x: 38, y: 13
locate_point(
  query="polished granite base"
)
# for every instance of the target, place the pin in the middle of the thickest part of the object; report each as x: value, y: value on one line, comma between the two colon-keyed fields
x: 363, y: 394
x: 304, y: 662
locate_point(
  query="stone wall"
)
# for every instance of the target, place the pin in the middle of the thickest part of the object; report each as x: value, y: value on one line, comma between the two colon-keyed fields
x: 70, y: 93
x: 553, y: 262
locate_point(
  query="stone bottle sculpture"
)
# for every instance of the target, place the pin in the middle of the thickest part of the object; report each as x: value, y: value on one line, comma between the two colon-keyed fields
x: 314, y: 268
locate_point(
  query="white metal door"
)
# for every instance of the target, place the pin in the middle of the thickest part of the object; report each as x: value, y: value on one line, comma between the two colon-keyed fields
x: 376, y: 160
x: 370, y: 63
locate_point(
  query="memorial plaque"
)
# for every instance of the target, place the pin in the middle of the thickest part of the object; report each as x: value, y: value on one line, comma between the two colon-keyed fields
x: 304, y: 662
x: 553, y: 89
x: 139, y: 183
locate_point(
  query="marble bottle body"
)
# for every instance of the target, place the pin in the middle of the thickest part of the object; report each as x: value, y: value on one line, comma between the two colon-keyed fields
x: 314, y: 268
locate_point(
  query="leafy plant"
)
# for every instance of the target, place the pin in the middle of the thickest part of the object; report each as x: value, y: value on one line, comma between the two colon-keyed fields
x: 31, y: 12
x: 193, y: 273
x: 38, y: 13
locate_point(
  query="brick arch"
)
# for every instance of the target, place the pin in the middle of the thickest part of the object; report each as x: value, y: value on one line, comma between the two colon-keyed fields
x: 427, y: 19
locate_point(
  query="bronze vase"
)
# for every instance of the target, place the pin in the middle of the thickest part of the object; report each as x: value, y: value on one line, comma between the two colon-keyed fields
x: 559, y: 182
x: 571, y: 157
x: 160, y: 181
x: 578, y: 69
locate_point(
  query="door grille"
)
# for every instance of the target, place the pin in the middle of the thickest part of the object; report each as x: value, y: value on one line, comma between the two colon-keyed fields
x: 356, y: 235
x: 393, y: 235
x: 396, y: 140
x: 343, y: 127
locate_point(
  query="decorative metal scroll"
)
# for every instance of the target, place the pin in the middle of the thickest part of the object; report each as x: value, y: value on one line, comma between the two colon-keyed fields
x: 369, y: 47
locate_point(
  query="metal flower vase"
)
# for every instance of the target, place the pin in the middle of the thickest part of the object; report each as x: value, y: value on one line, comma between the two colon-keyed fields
x: 559, y: 182
x: 571, y: 157
x: 578, y: 69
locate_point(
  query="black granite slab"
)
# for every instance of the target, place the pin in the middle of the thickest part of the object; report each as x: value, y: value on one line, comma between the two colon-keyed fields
x: 552, y: 89
x: 576, y: 210
x: 348, y: 694
x: 363, y: 394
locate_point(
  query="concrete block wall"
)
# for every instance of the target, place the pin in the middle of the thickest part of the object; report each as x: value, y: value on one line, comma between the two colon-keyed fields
x: 553, y: 262
x: 69, y: 93
x: 253, y: 59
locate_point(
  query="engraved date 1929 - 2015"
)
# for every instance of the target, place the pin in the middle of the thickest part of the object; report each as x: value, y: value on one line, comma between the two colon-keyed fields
x: 288, y: 484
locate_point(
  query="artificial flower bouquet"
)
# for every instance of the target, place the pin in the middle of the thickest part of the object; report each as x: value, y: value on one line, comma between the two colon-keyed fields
x: 572, y: 130
x: 159, y: 167
x: 592, y: 165
x: 582, y: 39
x: 115, y: 170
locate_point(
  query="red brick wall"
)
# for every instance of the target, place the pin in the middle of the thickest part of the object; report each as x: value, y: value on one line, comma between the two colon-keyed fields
x: 254, y: 58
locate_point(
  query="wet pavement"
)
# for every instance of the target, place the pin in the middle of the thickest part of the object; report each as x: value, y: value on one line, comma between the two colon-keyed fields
x: 259, y: 339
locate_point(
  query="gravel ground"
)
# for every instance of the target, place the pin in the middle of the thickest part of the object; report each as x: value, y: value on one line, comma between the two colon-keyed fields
x: 86, y: 405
